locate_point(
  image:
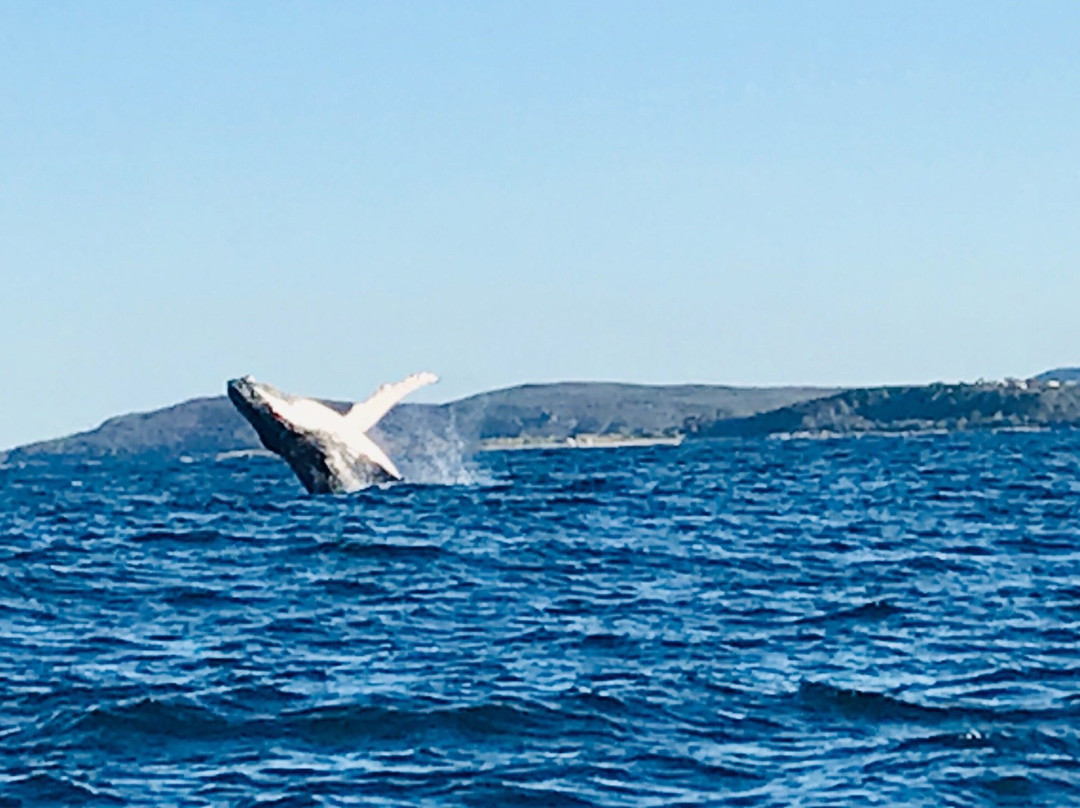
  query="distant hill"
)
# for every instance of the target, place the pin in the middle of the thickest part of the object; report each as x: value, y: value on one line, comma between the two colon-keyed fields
x: 918, y: 408
x: 555, y: 412
x: 539, y: 411
x: 1059, y: 375
x: 558, y: 411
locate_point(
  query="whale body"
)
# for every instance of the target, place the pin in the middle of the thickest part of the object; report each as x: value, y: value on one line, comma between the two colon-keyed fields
x: 330, y: 452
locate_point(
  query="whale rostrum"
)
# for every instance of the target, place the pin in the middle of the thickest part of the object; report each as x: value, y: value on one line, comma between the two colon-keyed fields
x: 330, y: 452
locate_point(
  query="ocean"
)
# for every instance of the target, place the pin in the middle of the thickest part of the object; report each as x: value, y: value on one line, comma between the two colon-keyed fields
x: 875, y: 621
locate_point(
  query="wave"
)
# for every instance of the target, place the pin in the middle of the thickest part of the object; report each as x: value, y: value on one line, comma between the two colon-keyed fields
x: 150, y: 716
x: 298, y: 800
x: 528, y: 796
x: 866, y: 612
x: 197, y: 596
x: 971, y: 738
x: 388, y: 551
x: 819, y: 696
x: 44, y: 788
x: 1025, y: 788
x: 682, y: 764
x: 351, y: 588
x: 250, y: 713
x: 242, y: 714
x: 593, y: 703
x: 349, y: 723
x: 1010, y: 787
x: 854, y: 703
x: 255, y: 699
x: 180, y: 536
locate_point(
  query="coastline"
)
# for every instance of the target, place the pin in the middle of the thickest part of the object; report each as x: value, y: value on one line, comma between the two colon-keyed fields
x: 587, y: 441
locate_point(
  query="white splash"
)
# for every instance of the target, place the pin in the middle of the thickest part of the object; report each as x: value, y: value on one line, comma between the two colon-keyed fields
x: 444, y: 459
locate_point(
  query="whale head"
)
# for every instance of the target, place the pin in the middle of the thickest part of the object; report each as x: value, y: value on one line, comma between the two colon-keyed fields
x: 297, y: 429
x: 261, y: 405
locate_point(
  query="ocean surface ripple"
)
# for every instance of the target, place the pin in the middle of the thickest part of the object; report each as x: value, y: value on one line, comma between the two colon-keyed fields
x: 850, y: 622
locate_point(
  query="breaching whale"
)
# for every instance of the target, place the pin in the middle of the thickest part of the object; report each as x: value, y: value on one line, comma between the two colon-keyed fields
x: 329, y: 451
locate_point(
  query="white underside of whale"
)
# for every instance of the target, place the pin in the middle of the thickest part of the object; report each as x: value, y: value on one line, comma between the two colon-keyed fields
x: 346, y: 435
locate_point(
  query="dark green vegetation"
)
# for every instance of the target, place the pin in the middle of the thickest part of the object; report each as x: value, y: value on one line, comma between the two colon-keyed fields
x: 921, y: 408
x: 554, y: 412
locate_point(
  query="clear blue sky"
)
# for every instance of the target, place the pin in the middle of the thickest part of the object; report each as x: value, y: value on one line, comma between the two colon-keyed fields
x: 330, y: 195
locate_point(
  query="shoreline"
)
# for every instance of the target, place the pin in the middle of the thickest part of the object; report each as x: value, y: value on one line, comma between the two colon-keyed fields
x: 576, y: 442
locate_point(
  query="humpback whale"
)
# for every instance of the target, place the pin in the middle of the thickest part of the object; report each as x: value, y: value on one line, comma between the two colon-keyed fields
x: 329, y: 451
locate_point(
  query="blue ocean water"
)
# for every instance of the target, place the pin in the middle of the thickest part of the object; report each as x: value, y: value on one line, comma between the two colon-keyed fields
x: 858, y: 622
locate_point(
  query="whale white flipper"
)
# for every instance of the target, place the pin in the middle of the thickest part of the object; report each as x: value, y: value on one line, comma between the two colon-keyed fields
x: 366, y: 414
x: 328, y: 451
x: 363, y: 447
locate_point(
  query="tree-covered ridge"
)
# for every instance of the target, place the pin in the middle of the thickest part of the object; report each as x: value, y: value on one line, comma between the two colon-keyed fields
x: 984, y: 405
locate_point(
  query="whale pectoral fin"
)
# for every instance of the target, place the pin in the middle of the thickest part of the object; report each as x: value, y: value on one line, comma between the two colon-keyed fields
x: 365, y: 447
x: 365, y: 415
